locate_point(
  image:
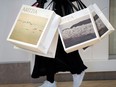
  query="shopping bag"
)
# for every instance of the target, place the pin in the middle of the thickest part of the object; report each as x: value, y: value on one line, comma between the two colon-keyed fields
x: 102, y: 24
x: 51, y: 52
x: 77, y: 31
x: 34, y: 29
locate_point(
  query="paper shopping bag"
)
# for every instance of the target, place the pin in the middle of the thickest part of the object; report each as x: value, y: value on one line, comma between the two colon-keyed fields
x: 32, y: 29
x: 77, y: 31
x: 51, y: 52
x: 102, y: 24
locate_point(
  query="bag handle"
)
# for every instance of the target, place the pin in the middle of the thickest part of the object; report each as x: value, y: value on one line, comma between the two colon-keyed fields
x: 63, y: 4
x: 39, y: 3
x: 80, y: 5
x: 36, y: 4
x: 49, y: 5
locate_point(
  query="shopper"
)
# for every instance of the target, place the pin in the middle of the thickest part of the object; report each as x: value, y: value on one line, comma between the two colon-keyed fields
x: 71, y: 62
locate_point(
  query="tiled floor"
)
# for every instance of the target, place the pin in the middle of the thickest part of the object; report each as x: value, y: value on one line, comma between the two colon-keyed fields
x: 103, y: 83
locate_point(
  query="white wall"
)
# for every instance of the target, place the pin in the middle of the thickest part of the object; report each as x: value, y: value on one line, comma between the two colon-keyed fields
x: 113, y: 35
x: 9, y: 10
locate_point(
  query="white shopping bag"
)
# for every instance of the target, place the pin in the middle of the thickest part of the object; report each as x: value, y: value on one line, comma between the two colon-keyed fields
x: 34, y: 29
x: 77, y: 31
x: 102, y: 24
x: 51, y: 52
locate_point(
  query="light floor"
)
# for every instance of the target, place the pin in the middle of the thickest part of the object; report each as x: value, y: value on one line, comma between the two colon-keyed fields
x: 103, y: 83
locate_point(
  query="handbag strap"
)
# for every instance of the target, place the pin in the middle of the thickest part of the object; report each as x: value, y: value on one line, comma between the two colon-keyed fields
x: 49, y: 5
x: 66, y: 6
x: 80, y: 5
x: 72, y: 5
x: 39, y: 3
x: 36, y: 4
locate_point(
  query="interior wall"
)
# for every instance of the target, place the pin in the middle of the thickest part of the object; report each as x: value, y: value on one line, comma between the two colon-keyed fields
x: 112, y: 39
x: 9, y: 10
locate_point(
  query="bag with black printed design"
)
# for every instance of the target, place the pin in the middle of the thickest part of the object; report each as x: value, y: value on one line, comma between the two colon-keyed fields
x: 77, y: 30
x: 102, y: 24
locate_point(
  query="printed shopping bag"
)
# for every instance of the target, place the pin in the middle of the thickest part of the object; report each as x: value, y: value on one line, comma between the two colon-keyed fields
x: 34, y: 29
x: 102, y: 24
x: 77, y: 31
x: 51, y: 52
